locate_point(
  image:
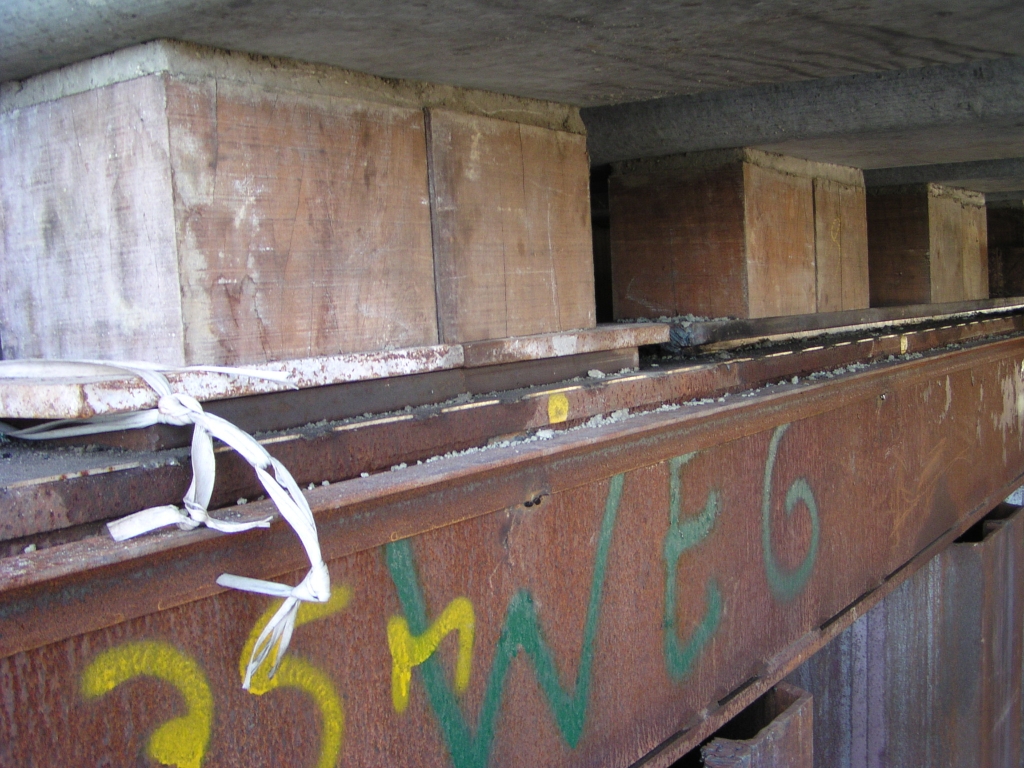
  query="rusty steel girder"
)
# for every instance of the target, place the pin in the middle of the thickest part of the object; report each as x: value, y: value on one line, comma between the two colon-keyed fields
x: 573, y: 601
x: 53, y: 508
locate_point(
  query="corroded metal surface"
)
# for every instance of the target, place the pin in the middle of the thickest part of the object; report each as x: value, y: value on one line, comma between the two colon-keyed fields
x: 338, y: 452
x: 782, y: 722
x: 32, y: 393
x: 604, y: 588
x: 931, y: 675
x: 701, y: 333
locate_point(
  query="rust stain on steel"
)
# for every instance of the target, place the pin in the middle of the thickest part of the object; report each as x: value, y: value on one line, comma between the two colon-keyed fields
x: 691, y: 547
x: 932, y: 674
x: 874, y: 320
x: 339, y: 454
x: 39, y: 396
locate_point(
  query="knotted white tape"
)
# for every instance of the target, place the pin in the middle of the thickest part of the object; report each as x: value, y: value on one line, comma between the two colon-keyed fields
x: 178, y: 409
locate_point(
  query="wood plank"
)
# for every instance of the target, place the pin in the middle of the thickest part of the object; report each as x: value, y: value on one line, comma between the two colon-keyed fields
x: 946, y: 247
x: 551, y: 345
x: 556, y: 177
x: 87, y: 257
x: 828, y: 244
x: 898, y: 243
x: 512, y: 243
x: 303, y: 227
x: 975, y: 253
x: 853, y: 238
x: 678, y: 243
x: 779, y: 217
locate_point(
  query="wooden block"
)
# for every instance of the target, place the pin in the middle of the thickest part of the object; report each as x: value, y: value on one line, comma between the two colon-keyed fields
x: 927, y: 244
x: 214, y: 222
x: 303, y: 227
x: 678, y: 243
x: 739, y: 233
x: 840, y: 240
x: 185, y: 205
x: 87, y: 265
x: 975, y: 241
x: 511, y: 217
x: 779, y: 210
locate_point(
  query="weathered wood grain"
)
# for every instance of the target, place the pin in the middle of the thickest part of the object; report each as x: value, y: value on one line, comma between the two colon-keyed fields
x: 975, y: 253
x: 736, y: 233
x: 87, y: 266
x: 678, y: 243
x: 853, y: 239
x: 928, y: 243
x: 303, y: 225
x: 828, y: 249
x: 511, y: 228
x: 212, y: 222
x: 556, y: 172
x: 840, y: 246
x: 779, y: 217
x: 947, y: 241
x: 898, y: 242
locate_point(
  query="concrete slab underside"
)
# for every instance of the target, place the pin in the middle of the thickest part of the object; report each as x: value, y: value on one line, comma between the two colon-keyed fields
x: 872, y: 85
x: 584, y: 54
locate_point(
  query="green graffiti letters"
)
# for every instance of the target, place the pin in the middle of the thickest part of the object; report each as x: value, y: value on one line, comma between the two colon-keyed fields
x: 521, y: 630
x: 786, y: 585
x: 682, y: 536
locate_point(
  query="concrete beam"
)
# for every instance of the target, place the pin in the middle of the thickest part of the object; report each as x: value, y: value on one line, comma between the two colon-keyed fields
x: 988, y: 176
x: 1012, y: 199
x: 949, y: 113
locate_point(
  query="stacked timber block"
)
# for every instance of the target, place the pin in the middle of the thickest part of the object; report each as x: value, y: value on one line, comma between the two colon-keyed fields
x: 189, y: 206
x: 1005, y: 221
x: 736, y: 233
x: 927, y: 244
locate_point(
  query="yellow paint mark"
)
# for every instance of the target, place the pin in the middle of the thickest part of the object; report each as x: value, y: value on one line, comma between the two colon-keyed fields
x: 408, y: 651
x: 298, y: 673
x: 904, y: 344
x: 558, y: 408
x: 182, y: 741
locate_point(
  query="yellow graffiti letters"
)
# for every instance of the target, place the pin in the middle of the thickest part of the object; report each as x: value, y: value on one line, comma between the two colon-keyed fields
x: 182, y: 741
x: 408, y: 650
x: 299, y: 674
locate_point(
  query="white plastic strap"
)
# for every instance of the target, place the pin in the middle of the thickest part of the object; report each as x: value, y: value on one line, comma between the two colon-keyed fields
x: 179, y: 409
